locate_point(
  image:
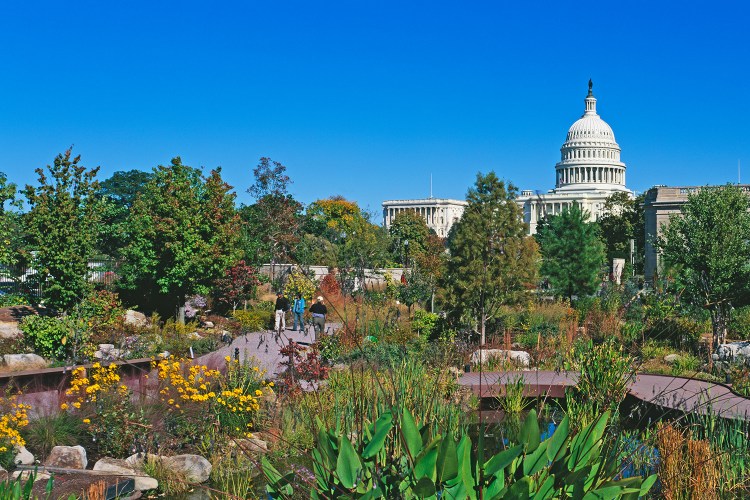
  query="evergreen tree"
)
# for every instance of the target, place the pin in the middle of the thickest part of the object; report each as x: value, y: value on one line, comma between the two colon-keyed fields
x: 572, y: 252
x: 492, y: 261
x: 62, y: 227
x: 709, y: 245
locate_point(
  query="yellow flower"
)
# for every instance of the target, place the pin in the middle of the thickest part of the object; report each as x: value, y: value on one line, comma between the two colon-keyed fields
x: 77, y: 404
x: 64, y: 406
x: 86, y: 421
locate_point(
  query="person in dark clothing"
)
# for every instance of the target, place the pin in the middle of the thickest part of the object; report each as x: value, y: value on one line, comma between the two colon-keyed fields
x: 282, y: 306
x: 319, y: 312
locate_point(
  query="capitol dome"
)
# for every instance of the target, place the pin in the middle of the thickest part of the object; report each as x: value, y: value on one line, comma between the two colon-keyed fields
x: 590, y: 156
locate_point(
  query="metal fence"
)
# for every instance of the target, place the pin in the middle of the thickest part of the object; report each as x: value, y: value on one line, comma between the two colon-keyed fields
x: 23, y: 280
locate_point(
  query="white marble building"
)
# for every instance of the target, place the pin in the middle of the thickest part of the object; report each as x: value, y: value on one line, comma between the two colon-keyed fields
x: 589, y: 170
x: 439, y: 213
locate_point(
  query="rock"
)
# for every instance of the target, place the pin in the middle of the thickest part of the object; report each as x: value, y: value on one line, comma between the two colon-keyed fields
x: 23, y: 362
x: 163, y: 355
x: 671, y: 359
x: 208, y: 324
x: 135, y: 318
x: 733, y: 351
x: 252, y: 445
x: 136, y: 460
x: 108, y: 351
x: 9, y: 330
x: 25, y: 474
x: 68, y: 457
x: 123, y: 468
x: 196, y: 468
x: 3, y: 474
x: 194, y: 336
x: 518, y: 358
x: 23, y: 456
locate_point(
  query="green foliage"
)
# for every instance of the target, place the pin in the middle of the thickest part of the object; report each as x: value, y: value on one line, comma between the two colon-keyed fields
x: 48, y: 431
x: 62, y: 227
x: 605, y: 372
x: 409, y: 234
x: 424, y: 322
x: 397, y: 459
x: 710, y: 246
x: 492, y: 261
x: 21, y: 489
x: 622, y: 220
x: 299, y: 283
x: 118, y: 193
x: 101, y: 313
x: 739, y: 325
x: 330, y: 347
x: 49, y: 337
x: 686, y: 364
x: 12, y: 299
x: 513, y: 401
x: 9, y: 223
x: 572, y: 252
x: 184, y: 234
x: 417, y: 289
x: 254, y: 320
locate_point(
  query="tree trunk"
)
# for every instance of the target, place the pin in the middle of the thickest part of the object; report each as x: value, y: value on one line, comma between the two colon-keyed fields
x: 181, y: 310
x: 482, y: 326
x: 719, y: 324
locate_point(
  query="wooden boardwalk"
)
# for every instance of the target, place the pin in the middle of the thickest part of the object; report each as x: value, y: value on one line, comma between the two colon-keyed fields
x: 677, y: 393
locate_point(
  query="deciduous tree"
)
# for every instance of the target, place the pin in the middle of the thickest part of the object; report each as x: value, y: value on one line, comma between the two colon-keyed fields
x: 492, y: 261
x: 572, y: 252
x: 409, y: 234
x: 10, y: 230
x: 709, y: 245
x: 623, y: 220
x: 62, y: 227
x: 184, y: 233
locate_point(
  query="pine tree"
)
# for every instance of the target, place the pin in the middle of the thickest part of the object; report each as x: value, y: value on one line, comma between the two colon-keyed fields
x: 492, y: 260
x: 572, y: 252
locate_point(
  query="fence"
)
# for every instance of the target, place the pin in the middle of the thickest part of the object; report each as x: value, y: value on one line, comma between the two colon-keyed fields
x: 372, y: 276
x: 23, y: 280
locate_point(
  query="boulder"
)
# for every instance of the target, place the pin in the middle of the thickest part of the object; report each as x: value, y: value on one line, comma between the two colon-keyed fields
x: 671, y: 359
x: 208, y: 324
x: 23, y: 362
x: 733, y: 352
x: 108, y: 351
x: 123, y: 468
x: 195, y: 468
x: 252, y: 445
x: 9, y: 330
x: 25, y: 474
x: 519, y: 358
x: 67, y: 457
x: 135, y: 318
x: 23, y: 456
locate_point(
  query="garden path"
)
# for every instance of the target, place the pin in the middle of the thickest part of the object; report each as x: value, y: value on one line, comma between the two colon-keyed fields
x: 678, y: 393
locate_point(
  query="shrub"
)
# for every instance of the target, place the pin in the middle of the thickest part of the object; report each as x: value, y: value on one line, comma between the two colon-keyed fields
x: 13, y: 418
x: 739, y: 325
x: 424, y: 322
x: 298, y: 282
x: 49, y: 337
x: 13, y: 299
x: 254, y: 320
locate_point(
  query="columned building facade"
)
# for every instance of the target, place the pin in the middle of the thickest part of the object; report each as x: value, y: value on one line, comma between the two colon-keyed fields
x: 439, y: 213
x: 589, y: 170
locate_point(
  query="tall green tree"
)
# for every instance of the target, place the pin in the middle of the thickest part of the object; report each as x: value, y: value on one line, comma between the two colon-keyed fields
x: 492, y: 261
x: 623, y: 220
x: 572, y: 252
x: 184, y: 234
x: 709, y: 247
x: 118, y: 194
x: 272, y: 223
x: 409, y: 235
x: 62, y: 227
x: 10, y: 230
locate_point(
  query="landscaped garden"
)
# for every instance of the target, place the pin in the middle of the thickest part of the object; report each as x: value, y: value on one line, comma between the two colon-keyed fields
x: 147, y: 301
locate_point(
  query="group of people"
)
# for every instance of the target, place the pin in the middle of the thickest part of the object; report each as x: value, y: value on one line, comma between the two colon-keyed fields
x: 318, y: 311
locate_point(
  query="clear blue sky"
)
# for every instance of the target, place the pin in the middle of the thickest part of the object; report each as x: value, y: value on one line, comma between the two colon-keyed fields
x: 366, y: 99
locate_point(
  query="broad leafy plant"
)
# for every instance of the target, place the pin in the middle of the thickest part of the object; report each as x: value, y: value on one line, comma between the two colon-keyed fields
x: 418, y: 464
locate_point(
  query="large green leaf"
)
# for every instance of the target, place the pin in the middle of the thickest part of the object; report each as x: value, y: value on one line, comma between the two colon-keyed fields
x: 382, y: 427
x: 557, y: 440
x: 586, y: 441
x: 609, y: 492
x: 348, y: 466
x: 520, y: 490
x: 501, y: 460
x: 425, y: 466
x: 464, y: 462
x: 536, y: 461
x: 424, y: 488
x: 447, y: 461
x: 530, y: 436
x: 547, y: 489
x: 411, y: 434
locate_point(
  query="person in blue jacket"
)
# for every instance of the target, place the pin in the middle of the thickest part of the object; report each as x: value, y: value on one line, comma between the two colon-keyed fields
x: 298, y: 309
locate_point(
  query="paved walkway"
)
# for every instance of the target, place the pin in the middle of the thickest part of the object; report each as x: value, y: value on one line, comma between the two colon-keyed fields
x: 678, y: 393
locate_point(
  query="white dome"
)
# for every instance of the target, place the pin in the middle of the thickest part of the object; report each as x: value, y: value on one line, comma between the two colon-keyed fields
x: 590, y: 156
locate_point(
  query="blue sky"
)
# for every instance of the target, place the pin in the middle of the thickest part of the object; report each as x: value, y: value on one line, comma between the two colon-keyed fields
x: 367, y: 99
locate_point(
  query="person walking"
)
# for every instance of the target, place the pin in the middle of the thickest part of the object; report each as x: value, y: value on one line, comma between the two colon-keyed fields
x: 319, y: 312
x: 282, y: 306
x: 298, y: 309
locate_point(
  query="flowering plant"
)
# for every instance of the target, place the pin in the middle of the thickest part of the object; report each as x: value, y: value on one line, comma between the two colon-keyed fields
x: 13, y: 417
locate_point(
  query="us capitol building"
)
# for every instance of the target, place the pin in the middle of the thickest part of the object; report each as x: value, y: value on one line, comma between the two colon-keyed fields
x: 589, y: 170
